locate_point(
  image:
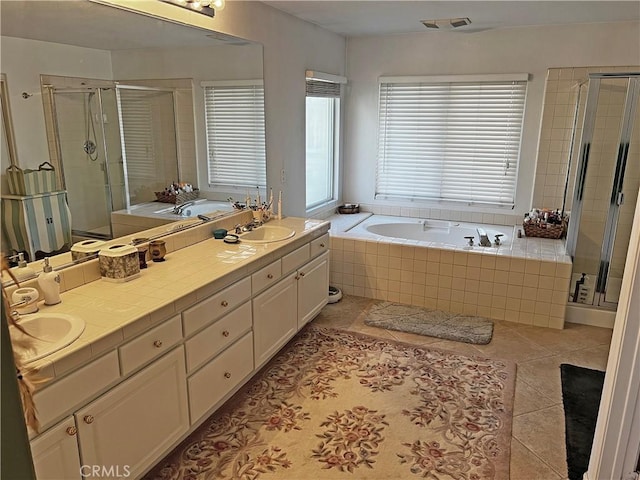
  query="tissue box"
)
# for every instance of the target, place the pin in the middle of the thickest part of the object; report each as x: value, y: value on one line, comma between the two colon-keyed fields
x: 119, y: 263
x: 86, y: 248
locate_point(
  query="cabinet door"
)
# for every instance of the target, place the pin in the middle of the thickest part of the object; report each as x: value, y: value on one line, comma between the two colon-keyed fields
x: 313, y: 288
x: 129, y: 427
x: 55, y: 452
x: 274, y: 319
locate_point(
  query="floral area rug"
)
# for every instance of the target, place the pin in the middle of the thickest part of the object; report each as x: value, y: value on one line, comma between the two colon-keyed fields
x: 340, y: 405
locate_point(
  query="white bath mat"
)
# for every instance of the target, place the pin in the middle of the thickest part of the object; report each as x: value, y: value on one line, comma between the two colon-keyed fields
x: 433, y: 323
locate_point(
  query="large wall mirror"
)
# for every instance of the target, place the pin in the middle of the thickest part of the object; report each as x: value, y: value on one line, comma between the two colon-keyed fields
x: 114, y: 100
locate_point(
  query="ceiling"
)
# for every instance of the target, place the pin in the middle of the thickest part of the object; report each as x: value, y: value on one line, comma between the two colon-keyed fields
x: 377, y: 17
x: 92, y: 25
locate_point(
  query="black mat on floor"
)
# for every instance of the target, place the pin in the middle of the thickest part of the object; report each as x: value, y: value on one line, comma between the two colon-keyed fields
x: 581, y: 392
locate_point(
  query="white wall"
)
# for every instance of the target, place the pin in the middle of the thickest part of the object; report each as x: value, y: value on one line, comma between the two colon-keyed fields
x: 23, y: 61
x: 517, y: 50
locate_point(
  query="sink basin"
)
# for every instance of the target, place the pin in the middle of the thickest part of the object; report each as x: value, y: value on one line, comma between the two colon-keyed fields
x: 50, y: 332
x: 267, y: 234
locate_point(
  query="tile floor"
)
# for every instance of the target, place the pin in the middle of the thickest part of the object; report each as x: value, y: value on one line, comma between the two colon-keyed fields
x: 538, y: 440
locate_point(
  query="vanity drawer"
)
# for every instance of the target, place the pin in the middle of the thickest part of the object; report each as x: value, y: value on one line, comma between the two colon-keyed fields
x: 319, y: 245
x: 215, y: 338
x: 76, y: 388
x: 220, y: 376
x: 215, y: 306
x: 266, y: 276
x: 150, y: 345
x: 295, y: 259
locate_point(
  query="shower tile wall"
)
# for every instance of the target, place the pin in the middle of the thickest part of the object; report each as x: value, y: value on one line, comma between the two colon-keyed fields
x: 555, y: 133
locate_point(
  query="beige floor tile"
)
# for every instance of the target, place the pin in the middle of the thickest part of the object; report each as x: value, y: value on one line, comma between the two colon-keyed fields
x: 543, y: 375
x: 525, y: 465
x: 528, y: 399
x: 542, y: 432
x: 510, y: 345
x: 538, y: 445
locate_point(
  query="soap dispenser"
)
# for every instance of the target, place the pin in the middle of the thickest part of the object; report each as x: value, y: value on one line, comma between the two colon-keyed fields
x: 49, y: 283
x: 23, y: 272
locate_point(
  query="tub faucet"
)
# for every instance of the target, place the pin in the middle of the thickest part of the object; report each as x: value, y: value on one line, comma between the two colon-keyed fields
x: 178, y: 209
x: 484, y: 238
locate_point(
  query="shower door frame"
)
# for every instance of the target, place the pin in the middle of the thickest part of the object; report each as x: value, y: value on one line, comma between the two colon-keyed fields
x: 54, y: 114
x: 616, y: 199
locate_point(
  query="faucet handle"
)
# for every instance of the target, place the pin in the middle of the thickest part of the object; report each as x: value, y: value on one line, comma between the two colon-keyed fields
x: 497, y: 239
x: 470, y: 239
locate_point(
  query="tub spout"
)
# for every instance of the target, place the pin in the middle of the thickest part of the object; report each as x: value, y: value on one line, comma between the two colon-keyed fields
x: 484, y: 238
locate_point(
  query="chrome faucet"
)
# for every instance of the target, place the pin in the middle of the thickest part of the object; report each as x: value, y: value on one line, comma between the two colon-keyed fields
x: 178, y: 209
x: 247, y: 227
x: 484, y: 238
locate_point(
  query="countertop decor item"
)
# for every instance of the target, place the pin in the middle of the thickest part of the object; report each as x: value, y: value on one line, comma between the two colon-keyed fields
x: 219, y: 233
x: 231, y: 238
x: 158, y: 250
x: 119, y: 263
x: 349, y: 208
x: 86, y: 248
x: 49, y: 284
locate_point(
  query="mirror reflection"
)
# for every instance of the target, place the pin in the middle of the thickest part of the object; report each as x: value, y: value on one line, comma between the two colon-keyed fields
x: 118, y: 117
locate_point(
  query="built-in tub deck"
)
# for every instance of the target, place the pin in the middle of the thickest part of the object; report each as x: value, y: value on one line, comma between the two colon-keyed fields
x: 525, y: 280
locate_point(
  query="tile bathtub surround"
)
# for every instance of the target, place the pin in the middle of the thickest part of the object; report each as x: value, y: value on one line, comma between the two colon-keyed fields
x: 527, y: 282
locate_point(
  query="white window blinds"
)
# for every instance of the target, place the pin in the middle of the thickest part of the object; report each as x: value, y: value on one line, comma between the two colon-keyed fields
x: 137, y: 133
x: 234, y: 115
x: 447, y: 140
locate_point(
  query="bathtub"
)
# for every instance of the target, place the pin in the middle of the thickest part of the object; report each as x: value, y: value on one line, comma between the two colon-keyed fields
x: 144, y: 216
x: 200, y: 207
x: 428, y: 263
x: 432, y: 231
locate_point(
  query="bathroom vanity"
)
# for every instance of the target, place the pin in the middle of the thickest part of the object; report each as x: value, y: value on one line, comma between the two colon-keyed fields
x: 161, y: 353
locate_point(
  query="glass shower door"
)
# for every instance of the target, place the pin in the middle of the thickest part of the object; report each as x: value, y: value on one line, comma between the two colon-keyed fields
x: 607, y: 186
x: 83, y: 143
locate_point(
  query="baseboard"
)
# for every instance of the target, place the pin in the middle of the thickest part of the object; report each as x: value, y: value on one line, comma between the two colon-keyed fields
x: 595, y: 317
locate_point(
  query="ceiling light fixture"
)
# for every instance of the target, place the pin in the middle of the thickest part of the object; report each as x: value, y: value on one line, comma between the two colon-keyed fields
x: 205, y: 7
x: 446, y: 23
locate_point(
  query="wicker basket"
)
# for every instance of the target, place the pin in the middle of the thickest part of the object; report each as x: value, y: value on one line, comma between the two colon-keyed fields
x: 545, y: 230
x: 166, y: 197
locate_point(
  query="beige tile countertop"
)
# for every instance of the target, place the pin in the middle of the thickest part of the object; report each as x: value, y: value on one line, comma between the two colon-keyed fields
x: 116, y: 312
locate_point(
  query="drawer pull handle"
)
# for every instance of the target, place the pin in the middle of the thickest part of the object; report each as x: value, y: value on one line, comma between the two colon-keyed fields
x: 270, y: 276
x: 157, y: 343
x: 71, y: 431
x: 302, y: 274
x: 225, y: 333
x: 227, y: 375
x: 88, y: 419
x: 224, y: 303
x: 322, y: 245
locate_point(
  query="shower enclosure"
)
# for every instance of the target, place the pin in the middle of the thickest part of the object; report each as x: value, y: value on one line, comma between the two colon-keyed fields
x: 607, y: 181
x: 116, y: 146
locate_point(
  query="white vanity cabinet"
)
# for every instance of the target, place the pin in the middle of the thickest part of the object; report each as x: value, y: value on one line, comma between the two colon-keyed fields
x: 136, y: 402
x: 275, y: 319
x: 283, y: 309
x: 132, y: 424
x: 55, y: 453
x: 313, y: 288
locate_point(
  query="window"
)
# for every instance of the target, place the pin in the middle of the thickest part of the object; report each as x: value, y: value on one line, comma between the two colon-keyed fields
x: 452, y: 139
x: 322, y: 137
x: 234, y: 116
